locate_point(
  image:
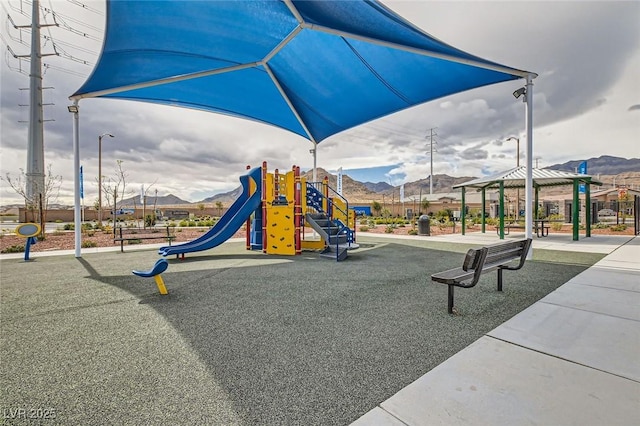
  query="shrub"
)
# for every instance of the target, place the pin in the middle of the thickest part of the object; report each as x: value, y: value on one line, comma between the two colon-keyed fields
x: 89, y: 244
x: 150, y: 220
x: 69, y: 227
x: 619, y: 228
x: 364, y: 229
x: 14, y: 249
x: 172, y: 224
x: 57, y: 233
x: 389, y: 229
x: 184, y: 223
x: 58, y: 221
x: 134, y: 242
x: 412, y: 232
x: 556, y: 226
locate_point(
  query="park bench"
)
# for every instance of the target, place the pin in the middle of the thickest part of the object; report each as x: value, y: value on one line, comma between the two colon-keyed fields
x: 122, y: 234
x: 485, y: 259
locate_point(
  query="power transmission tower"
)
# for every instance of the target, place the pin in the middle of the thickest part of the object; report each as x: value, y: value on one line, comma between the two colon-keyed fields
x: 432, y: 143
x: 35, y: 144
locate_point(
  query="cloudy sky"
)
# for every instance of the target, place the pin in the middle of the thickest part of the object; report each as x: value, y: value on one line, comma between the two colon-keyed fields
x: 586, y: 104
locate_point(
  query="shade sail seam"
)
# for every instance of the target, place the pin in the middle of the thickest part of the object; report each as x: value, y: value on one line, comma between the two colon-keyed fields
x: 280, y: 88
x: 376, y: 74
x: 163, y: 81
x: 171, y: 52
x: 424, y: 52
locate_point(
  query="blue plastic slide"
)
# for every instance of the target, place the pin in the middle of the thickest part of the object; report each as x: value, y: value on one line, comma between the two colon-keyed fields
x: 229, y: 223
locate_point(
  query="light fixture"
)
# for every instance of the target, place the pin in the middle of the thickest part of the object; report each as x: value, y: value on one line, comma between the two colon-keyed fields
x: 73, y: 109
x: 521, y: 91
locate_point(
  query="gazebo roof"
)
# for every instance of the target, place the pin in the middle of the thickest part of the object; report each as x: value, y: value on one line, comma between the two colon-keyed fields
x: 516, y: 178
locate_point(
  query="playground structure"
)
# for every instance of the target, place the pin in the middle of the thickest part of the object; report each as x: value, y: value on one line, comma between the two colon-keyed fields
x: 276, y: 208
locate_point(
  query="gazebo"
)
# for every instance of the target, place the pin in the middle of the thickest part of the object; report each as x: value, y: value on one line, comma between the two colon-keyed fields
x: 516, y: 178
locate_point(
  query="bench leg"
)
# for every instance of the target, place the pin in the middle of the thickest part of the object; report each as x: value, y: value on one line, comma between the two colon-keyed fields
x: 450, y: 300
x: 160, y: 284
x: 499, y: 279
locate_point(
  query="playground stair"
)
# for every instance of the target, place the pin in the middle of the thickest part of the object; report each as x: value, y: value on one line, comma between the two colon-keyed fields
x: 337, y: 244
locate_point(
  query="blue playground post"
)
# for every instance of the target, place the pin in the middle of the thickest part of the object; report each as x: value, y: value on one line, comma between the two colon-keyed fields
x: 28, y: 231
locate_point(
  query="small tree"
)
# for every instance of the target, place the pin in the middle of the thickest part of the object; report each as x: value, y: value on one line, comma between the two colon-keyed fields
x: 376, y: 207
x: 219, y: 206
x: 424, y: 204
x: 200, y: 207
x: 41, y: 199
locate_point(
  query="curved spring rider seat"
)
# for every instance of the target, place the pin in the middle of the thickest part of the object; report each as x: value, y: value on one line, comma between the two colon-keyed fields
x: 160, y: 266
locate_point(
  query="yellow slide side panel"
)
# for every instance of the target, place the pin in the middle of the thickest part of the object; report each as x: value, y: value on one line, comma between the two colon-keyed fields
x: 280, y: 231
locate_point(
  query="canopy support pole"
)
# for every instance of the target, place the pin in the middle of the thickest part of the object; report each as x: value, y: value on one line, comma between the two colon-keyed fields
x: 529, y: 182
x: 484, y: 206
x: 314, y: 151
x: 77, y: 210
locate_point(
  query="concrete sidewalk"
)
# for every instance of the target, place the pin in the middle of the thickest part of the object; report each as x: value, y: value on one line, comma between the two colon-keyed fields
x: 569, y: 359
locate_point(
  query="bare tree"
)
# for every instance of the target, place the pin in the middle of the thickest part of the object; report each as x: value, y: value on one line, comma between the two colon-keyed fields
x: 148, y: 220
x: 39, y: 205
x: 115, y: 187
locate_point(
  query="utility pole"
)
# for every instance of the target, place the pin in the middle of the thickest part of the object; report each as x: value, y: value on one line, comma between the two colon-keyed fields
x: 35, y: 147
x: 35, y: 186
x: 431, y: 144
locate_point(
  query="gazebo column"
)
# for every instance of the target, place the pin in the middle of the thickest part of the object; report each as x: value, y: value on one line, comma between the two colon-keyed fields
x: 484, y: 205
x: 587, y: 213
x: 463, y: 217
x: 575, y: 209
x: 501, y: 210
x: 536, y: 203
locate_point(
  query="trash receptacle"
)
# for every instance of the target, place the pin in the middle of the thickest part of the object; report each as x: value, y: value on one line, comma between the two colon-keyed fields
x: 423, y: 225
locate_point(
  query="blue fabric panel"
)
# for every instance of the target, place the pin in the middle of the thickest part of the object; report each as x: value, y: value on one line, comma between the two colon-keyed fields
x: 248, y: 94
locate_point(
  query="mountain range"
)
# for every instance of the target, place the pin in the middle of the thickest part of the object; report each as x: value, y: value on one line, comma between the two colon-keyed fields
x: 606, y: 168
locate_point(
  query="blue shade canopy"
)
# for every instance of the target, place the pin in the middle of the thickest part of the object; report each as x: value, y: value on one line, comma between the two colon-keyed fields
x: 315, y: 68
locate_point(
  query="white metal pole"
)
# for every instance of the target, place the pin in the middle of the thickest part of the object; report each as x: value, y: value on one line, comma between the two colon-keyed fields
x: 528, y: 213
x: 77, y: 220
x: 315, y: 161
x: 431, y: 175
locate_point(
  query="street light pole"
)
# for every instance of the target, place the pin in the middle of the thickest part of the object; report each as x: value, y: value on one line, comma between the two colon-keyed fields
x: 518, y: 165
x: 100, y: 175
